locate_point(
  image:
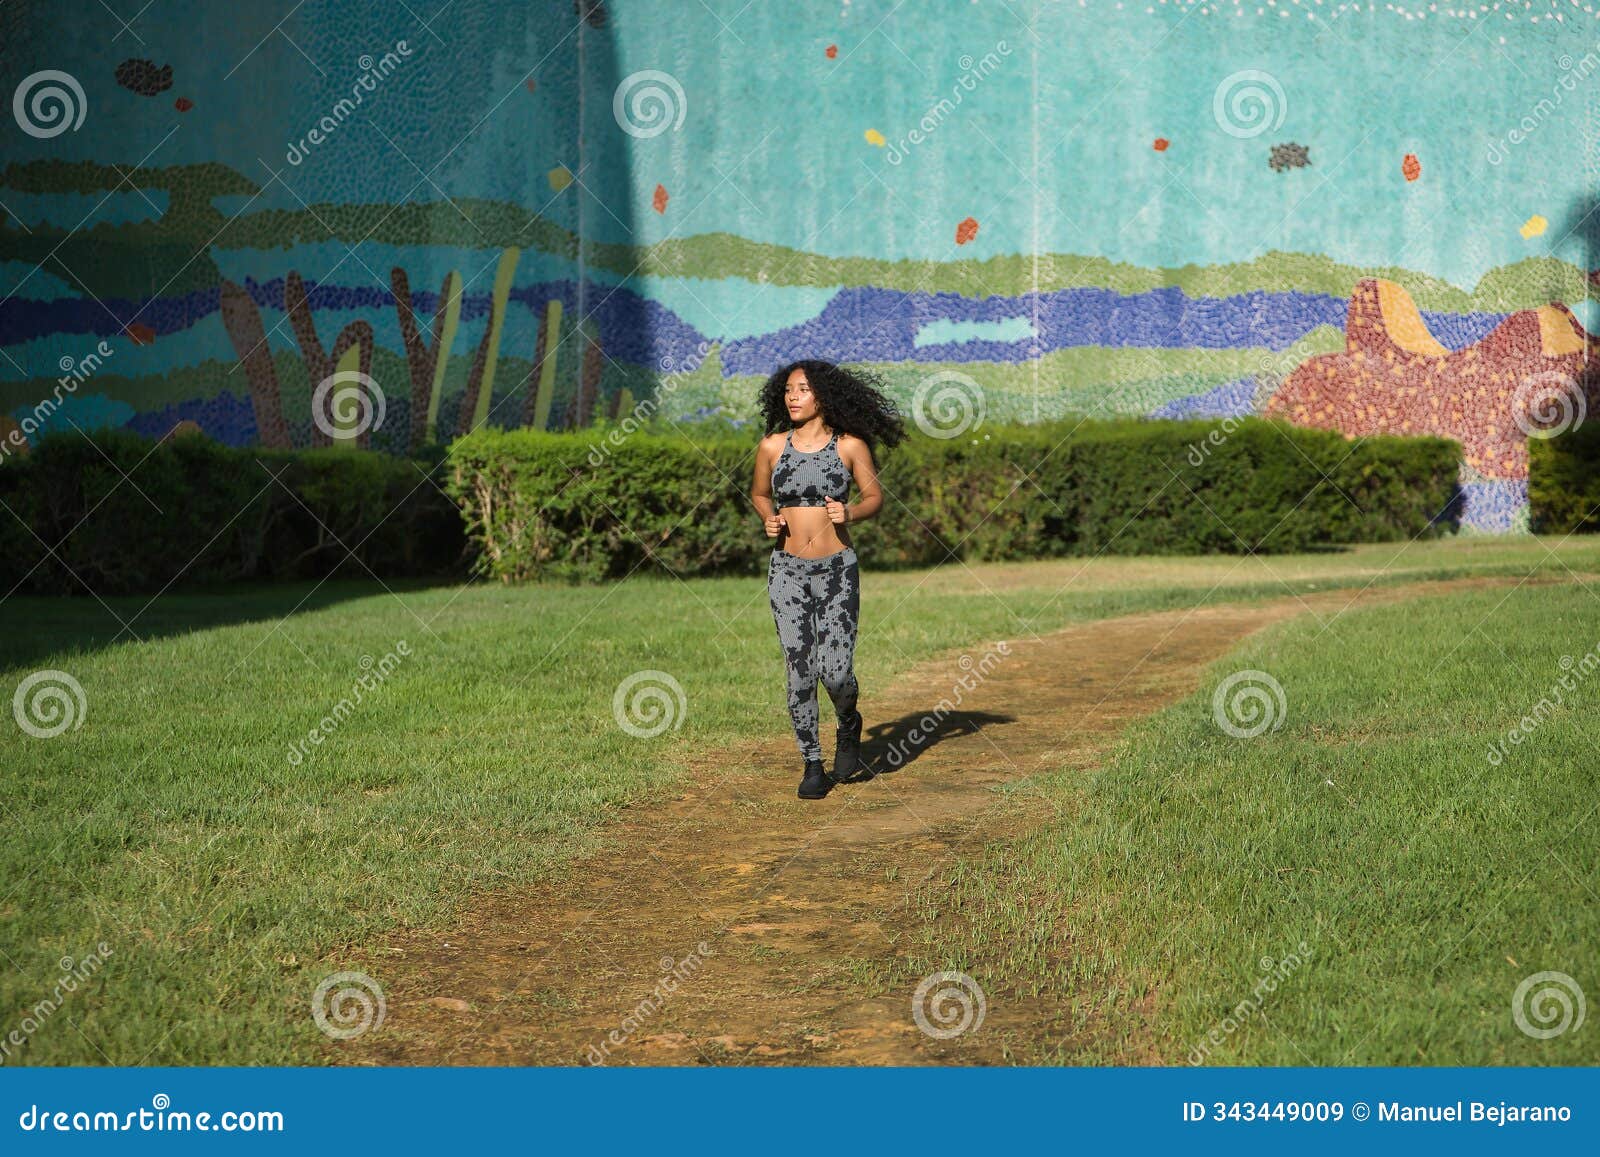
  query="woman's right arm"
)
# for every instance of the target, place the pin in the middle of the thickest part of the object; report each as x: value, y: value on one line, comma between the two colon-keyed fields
x: 761, y: 488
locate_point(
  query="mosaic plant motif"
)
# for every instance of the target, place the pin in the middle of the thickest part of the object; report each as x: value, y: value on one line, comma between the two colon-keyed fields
x: 426, y: 361
x: 243, y: 319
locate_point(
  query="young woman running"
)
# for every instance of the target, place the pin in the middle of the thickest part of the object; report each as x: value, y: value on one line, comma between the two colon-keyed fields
x: 821, y: 423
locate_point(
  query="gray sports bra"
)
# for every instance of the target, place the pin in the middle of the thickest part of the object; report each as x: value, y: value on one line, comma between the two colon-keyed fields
x: 809, y: 479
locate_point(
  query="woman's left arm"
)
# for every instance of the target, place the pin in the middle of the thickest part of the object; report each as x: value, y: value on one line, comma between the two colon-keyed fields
x: 857, y: 455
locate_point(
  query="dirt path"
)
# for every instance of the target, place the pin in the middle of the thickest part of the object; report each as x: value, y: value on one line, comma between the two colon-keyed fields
x: 764, y: 918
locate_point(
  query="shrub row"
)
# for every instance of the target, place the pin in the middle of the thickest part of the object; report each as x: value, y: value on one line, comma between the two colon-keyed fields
x: 1564, y: 481
x: 114, y: 513
x: 591, y: 506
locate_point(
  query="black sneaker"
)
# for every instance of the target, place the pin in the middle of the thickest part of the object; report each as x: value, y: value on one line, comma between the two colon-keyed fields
x: 847, y: 751
x: 815, y: 785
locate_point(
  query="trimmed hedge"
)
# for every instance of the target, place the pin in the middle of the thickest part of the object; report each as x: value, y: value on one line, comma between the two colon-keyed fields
x: 573, y: 506
x: 125, y: 515
x: 1564, y: 481
x: 591, y: 506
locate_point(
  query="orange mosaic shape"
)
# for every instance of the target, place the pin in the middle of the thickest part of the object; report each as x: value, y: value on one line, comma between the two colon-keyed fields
x: 1394, y: 377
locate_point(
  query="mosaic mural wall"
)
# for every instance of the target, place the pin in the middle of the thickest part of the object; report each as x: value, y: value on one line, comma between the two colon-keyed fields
x: 381, y: 225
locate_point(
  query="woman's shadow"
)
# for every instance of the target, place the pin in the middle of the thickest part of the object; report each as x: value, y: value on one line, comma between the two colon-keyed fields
x: 889, y: 747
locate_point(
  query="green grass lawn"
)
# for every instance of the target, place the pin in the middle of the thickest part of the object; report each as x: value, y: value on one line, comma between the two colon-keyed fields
x: 1363, y: 885
x: 227, y: 875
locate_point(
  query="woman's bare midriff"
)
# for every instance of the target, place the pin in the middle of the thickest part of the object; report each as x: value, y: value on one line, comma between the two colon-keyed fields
x: 811, y: 533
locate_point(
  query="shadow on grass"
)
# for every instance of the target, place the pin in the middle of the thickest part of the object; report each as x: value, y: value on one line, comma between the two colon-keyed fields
x: 37, y: 627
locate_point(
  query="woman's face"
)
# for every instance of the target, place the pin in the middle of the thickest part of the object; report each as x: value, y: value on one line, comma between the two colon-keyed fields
x: 798, y: 397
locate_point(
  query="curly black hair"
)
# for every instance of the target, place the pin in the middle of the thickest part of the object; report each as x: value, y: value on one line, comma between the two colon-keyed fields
x: 852, y: 401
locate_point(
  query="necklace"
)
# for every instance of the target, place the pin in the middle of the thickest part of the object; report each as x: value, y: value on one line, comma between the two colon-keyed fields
x: 822, y: 447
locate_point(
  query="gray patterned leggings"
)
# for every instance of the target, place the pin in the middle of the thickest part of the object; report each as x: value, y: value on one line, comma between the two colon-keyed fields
x: 815, y: 604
